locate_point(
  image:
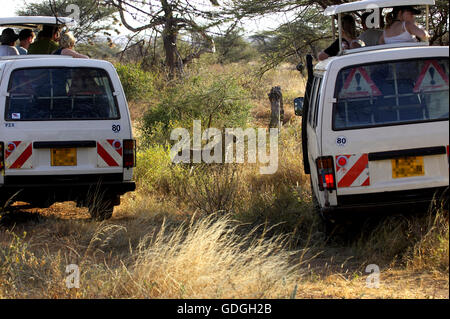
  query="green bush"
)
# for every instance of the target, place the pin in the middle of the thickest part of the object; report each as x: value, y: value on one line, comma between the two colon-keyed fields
x: 137, y: 83
x: 218, y: 101
x: 154, y: 171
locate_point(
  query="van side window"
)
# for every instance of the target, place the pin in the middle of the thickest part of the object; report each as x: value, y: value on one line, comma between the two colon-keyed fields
x: 60, y: 93
x: 392, y: 93
x: 317, y: 102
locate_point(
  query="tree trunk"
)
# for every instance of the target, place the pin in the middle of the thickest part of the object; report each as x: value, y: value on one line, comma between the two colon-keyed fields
x: 170, y: 47
x: 276, y: 101
x: 169, y: 35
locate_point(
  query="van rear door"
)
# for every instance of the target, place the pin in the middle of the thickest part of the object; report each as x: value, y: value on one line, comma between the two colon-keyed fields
x: 390, y: 126
x: 63, y: 120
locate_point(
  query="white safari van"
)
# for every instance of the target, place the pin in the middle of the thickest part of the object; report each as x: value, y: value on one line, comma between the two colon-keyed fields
x: 376, y: 124
x: 65, y: 130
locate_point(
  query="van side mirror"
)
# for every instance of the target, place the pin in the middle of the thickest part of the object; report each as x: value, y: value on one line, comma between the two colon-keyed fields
x: 298, y: 106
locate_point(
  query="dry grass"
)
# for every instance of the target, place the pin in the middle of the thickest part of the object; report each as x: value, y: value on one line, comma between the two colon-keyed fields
x: 210, y: 260
x: 167, y: 254
x: 203, y: 258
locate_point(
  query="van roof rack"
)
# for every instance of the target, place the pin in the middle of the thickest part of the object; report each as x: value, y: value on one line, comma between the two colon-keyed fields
x: 372, y: 5
x: 34, y: 22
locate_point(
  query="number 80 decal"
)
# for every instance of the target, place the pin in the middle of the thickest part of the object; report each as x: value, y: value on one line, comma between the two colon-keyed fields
x: 116, y: 128
x: 341, y: 141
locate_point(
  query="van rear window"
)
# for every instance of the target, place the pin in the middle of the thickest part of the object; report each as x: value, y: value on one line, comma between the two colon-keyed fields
x: 392, y: 93
x: 56, y: 94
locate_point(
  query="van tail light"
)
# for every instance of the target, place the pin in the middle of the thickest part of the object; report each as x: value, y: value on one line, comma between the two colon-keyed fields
x: 2, y: 156
x: 325, y: 173
x: 129, y: 153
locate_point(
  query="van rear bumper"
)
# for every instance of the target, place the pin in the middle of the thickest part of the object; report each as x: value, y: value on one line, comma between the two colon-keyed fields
x: 388, y: 199
x: 64, y: 187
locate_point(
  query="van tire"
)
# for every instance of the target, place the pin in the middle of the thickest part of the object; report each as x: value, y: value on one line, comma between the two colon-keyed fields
x: 326, y: 226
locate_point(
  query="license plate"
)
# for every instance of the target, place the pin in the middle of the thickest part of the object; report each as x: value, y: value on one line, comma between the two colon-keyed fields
x: 408, y: 167
x: 64, y: 156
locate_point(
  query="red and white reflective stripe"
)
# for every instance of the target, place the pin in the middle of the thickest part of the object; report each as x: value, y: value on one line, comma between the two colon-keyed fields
x: 352, y: 170
x: 109, y: 153
x: 18, y: 155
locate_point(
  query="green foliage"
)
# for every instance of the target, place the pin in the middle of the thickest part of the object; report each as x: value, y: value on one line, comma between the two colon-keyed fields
x: 309, y: 32
x: 171, y: 20
x: 155, y: 172
x: 233, y: 48
x: 137, y: 83
x: 219, y: 101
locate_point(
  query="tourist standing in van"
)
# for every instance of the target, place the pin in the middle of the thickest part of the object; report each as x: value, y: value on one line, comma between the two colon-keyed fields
x: 26, y: 37
x: 370, y: 36
x: 349, y: 39
x: 401, y: 26
x: 8, y: 39
x: 66, y: 46
x: 46, y: 41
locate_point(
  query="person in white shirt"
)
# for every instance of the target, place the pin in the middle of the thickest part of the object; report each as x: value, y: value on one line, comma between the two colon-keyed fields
x: 401, y: 26
x: 8, y: 38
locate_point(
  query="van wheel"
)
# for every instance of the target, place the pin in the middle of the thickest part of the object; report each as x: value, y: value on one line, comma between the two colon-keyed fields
x: 326, y: 226
x: 102, y: 210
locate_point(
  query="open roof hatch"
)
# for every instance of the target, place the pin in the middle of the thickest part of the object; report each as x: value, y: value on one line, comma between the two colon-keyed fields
x: 370, y: 5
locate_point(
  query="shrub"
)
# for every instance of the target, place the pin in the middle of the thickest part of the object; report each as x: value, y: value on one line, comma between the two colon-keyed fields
x: 137, y: 83
x: 155, y: 172
x: 214, y: 189
x: 218, y: 101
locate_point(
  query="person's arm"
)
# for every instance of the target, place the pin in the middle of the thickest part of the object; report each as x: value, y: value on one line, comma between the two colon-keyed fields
x: 418, y: 32
x: 74, y: 54
x: 381, y: 40
x: 332, y: 50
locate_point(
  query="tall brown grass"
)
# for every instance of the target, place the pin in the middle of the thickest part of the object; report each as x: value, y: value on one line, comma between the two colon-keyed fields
x: 418, y: 242
x: 204, y: 258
